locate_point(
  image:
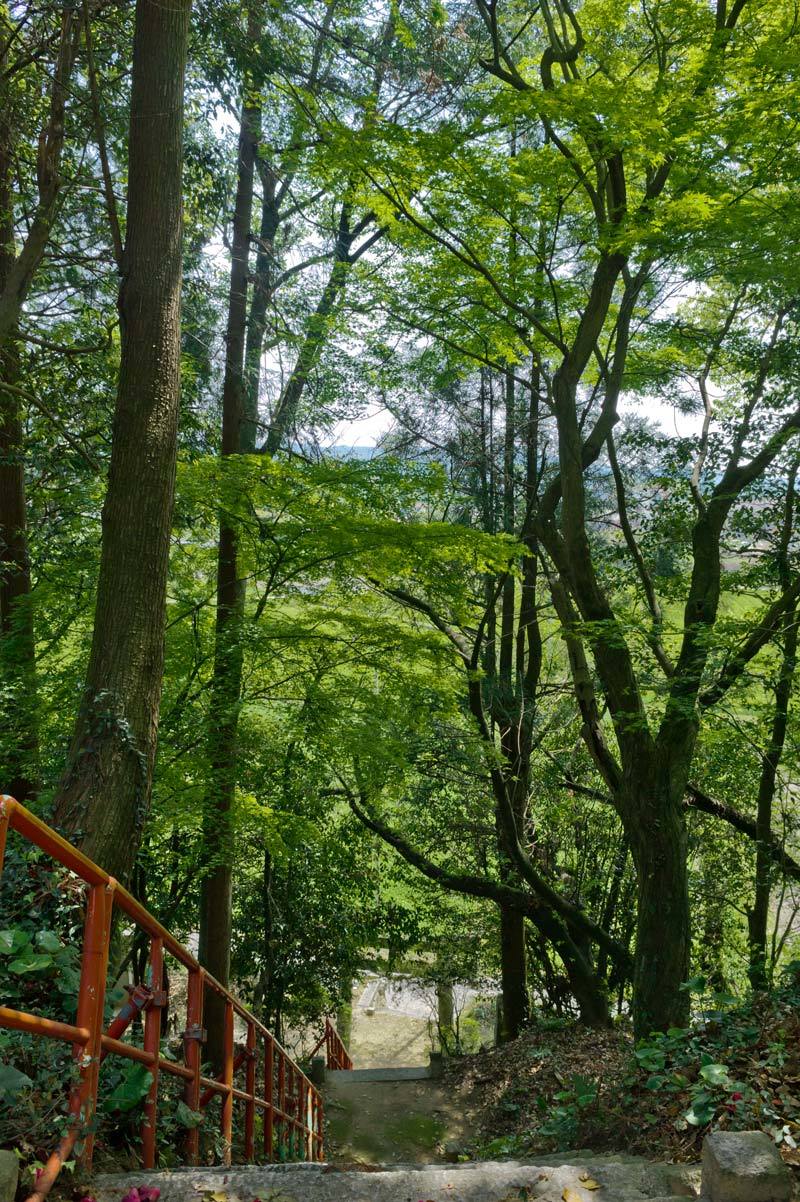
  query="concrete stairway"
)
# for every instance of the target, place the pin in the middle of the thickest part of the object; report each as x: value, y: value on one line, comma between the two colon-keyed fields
x: 576, y: 1177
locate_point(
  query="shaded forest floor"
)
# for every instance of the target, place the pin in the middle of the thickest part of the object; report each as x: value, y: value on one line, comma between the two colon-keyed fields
x: 562, y: 1087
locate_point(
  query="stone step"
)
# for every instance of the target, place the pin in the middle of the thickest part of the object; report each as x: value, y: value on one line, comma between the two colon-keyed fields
x: 616, y: 1180
x: 357, y: 1076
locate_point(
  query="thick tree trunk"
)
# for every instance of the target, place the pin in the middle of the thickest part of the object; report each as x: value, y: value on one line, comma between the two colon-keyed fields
x: 237, y: 437
x: 663, y: 931
x: 105, y: 790
x: 515, y: 1009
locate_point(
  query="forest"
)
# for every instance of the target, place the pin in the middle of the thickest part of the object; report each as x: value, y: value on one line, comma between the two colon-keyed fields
x: 400, y: 514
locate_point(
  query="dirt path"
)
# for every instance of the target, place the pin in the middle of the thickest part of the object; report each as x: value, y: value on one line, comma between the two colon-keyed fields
x: 396, y: 1122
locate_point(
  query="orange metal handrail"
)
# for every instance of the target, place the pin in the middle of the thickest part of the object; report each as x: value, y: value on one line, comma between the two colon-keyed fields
x: 297, y: 1112
x: 336, y: 1054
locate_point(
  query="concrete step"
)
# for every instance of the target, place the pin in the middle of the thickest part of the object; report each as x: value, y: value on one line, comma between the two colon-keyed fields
x: 613, y: 1180
x: 358, y: 1076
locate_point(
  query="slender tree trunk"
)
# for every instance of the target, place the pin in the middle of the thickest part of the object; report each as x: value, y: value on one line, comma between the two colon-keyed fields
x: 18, y: 721
x: 19, y: 742
x: 22, y: 267
x: 445, y: 1017
x: 237, y: 437
x: 586, y: 987
x: 758, y: 916
x: 612, y: 900
x: 315, y: 338
x: 263, y: 991
x: 263, y: 276
x: 18, y: 727
x: 344, y: 1011
x: 104, y: 793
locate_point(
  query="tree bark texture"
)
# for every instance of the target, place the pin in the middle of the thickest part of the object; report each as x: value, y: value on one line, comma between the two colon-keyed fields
x: 18, y: 728
x: 238, y: 436
x: 515, y: 1009
x: 104, y: 793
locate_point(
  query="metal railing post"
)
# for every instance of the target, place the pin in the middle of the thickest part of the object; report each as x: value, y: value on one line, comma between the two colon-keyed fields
x: 226, y: 1122
x: 91, y: 1000
x: 250, y: 1089
x: 192, y: 1053
x: 5, y: 814
x: 269, y: 1096
x: 320, y: 1128
x: 152, y: 1045
x: 284, y: 1129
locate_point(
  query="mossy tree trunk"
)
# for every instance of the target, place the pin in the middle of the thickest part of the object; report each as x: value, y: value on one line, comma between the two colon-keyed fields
x: 104, y: 793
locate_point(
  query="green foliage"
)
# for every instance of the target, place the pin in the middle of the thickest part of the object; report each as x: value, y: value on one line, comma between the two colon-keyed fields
x: 562, y: 1121
x: 134, y: 1080
x: 362, y: 575
x: 726, y: 1069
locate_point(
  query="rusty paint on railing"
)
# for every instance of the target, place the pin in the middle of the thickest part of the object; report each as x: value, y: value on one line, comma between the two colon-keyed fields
x: 298, y: 1112
x: 336, y: 1054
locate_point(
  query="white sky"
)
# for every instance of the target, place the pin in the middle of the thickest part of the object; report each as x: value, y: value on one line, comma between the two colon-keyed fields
x: 368, y: 430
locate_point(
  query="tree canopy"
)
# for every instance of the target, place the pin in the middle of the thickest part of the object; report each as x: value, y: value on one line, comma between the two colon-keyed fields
x: 399, y: 414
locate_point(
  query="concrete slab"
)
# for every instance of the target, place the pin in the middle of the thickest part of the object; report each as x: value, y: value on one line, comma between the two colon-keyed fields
x: 484, y: 1181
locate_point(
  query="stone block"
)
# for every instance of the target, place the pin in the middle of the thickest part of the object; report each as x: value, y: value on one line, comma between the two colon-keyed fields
x: 316, y: 1071
x: 744, y: 1166
x: 9, y: 1176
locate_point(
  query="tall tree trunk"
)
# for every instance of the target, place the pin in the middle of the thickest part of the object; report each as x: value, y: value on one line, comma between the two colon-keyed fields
x: 18, y: 719
x: 22, y: 267
x: 262, y: 280
x: 445, y: 1017
x: 104, y: 793
x: 515, y: 1010
x: 344, y: 1011
x: 18, y: 728
x: 315, y: 338
x: 238, y: 436
x: 18, y: 724
x: 611, y: 903
x: 659, y: 846
x: 758, y: 916
x: 514, y: 725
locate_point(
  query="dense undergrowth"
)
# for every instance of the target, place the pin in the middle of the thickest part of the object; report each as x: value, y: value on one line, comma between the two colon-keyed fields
x: 560, y: 1086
